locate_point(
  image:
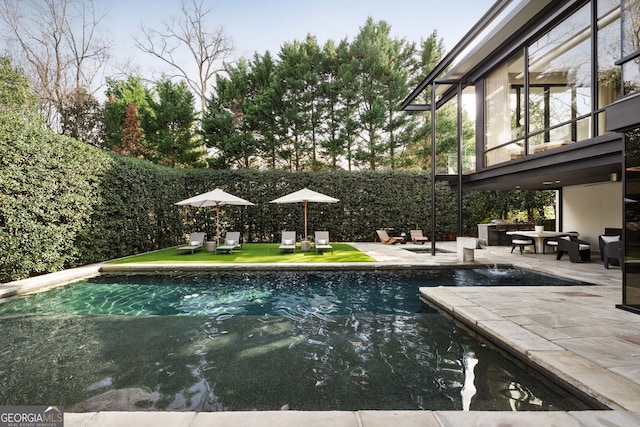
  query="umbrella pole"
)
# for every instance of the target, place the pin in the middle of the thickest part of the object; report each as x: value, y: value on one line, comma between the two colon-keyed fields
x: 305, y: 220
x: 217, y: 222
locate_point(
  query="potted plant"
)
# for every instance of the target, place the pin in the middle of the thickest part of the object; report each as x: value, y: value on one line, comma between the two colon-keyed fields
x: 539, y: 224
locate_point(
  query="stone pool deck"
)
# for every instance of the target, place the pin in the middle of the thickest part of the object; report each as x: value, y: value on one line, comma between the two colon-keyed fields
x: 574, y: 334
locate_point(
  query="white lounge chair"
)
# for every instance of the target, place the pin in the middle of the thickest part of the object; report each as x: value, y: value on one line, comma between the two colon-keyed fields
x: 231, y: 242
x: 196, y: 241
x: 288, y: 241
x: 321, y: 241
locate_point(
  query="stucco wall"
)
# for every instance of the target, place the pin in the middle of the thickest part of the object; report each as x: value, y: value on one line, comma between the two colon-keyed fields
x: 588, y: 209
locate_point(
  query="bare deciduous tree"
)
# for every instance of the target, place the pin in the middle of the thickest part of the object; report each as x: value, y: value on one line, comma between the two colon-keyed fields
x: 208, y: 49
x: 57, y: 43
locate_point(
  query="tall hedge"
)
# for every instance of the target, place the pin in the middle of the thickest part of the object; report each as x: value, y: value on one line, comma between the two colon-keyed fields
x: 368, y: 201
x: 64, y: 203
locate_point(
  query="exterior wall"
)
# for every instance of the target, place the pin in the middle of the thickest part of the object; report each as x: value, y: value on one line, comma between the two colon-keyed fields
x: 588, y: 209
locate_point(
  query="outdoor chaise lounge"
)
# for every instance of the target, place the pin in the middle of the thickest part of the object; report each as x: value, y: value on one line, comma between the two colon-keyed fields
x: 418, y: 237
x: 321, y: 241
x: 231, y: 242
x: 196, y: 241
x: 384, y: 238
x: 578, y: 250
x: 288, y: 241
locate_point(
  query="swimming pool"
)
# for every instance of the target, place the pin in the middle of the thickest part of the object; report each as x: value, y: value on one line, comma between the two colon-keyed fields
x: 259, y: 341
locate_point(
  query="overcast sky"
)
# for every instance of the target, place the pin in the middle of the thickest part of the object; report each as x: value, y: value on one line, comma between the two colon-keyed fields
x: 261, y: 25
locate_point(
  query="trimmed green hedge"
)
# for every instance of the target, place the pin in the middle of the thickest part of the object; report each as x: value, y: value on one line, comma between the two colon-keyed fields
x: 64, y: 203
x: 368, y: 201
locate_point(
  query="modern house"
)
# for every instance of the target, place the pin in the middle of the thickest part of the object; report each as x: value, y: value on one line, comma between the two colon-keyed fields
x: 552, y: 89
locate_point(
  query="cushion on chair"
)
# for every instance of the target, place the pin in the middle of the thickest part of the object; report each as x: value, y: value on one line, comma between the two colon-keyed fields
x: 608, y: 239
x: 194, y: 243
x: 584, y: 247
x: 288, y: 242
x: 230, y: 243
x: 322, y: 242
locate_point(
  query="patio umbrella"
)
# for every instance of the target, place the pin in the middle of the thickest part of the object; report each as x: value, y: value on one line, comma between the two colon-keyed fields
x: 215, y: 198
x: 304, y: 196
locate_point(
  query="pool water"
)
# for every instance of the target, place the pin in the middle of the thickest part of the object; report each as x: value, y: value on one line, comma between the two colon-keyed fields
x: 221, y: 341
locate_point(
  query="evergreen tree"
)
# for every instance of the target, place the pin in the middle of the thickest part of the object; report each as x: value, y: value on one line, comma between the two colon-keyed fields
x: 225, y: 126
x: 265, y: 110
x: 345, y: 85
x: 332, y: 106
x: 81, y: 117
x: 132, y: 134
x: 120, y: 95
x: 299, y: 85
x: 399, y: 126
x: 373, y: 51
x: 169, y: 126
x: 431, y: 53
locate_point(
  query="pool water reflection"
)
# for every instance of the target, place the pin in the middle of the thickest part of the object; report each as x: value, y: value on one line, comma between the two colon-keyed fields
x: 255, y: 341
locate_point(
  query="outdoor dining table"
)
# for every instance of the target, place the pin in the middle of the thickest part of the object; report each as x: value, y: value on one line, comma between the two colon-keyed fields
x: 539, y: 236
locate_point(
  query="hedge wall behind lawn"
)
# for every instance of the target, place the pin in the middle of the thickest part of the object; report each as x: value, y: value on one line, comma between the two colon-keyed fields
x: 64, y: 203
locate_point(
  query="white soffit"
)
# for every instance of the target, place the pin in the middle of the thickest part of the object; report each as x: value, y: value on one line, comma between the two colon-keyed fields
x: 517, y: 18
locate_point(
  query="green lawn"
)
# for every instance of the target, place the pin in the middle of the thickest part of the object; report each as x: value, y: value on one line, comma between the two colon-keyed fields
x: 251, y: 253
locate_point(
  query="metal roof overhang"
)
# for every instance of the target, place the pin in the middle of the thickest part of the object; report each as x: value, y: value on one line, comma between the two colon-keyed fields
x: 513, y: 23
x: 577, y: 164
x: 457, y: 50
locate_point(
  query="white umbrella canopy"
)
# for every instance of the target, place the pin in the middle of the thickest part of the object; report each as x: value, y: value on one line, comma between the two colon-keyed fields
x: 215, y: 198
x: 304, y: 196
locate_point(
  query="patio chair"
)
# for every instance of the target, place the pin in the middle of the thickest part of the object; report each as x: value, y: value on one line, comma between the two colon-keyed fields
x: 521, y: 242
x: 196, y: 241
x: 288, y: 241
x: 613, y: 254
x: 578, y: 250
x: 552, y: 242
x: 418, y: 237
x: 384, y: 238
x: 603, y: 241
x: 321, y: 241
x: 610, y: 250
x: 231, y: 242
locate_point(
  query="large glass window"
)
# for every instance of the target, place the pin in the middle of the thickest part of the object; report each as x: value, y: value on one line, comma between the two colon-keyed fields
x: 469, y: 129
x: 609, y: 82
x: 632, y: 219
x: 503, y: 111
x: 557, y: 96
x: 560, y: 83
x: 630, y: 45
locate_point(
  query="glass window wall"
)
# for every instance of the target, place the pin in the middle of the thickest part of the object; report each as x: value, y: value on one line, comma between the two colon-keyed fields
x: 558, y: 95
x: 469, y: 129
x: 630, y: 45
x: 609, y: 80
x: 560, y: 82
x: 631, y: 294
x: 504, y: 123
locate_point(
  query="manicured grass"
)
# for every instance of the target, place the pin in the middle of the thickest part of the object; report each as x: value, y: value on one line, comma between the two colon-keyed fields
x: 251, y: 253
